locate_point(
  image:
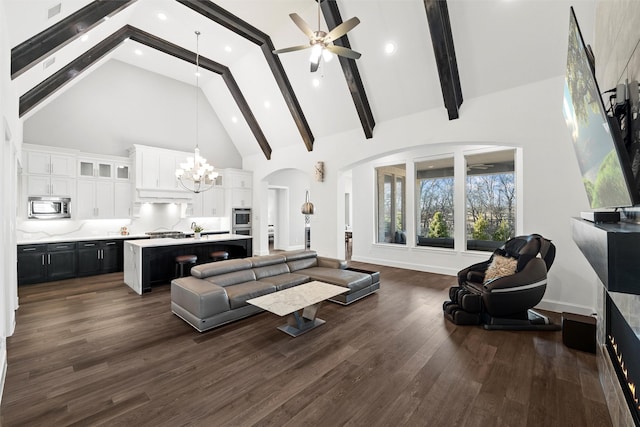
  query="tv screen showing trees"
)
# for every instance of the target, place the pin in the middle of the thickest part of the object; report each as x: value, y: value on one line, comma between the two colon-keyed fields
x: 606, y: 176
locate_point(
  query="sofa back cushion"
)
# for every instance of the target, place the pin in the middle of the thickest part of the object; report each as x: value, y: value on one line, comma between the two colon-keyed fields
x: 300, y: 264
x: 271, y: 270
x: 203, y: 271
x: 232, y: 278
x: 297, y: 260
x: 261, y: 261
x: 300, y: 254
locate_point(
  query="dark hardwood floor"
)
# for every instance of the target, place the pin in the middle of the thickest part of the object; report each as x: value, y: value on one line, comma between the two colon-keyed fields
x: 89, y: 351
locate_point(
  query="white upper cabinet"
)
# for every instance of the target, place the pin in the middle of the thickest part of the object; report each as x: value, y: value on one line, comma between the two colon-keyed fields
x: 96, y: 199
x: 44, y: 163
x: 48, y: 172
x: 90, y: 168
x: 238, y: 178
x: 238, y: 184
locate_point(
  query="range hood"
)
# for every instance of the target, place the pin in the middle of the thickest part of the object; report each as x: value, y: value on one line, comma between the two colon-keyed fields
x: 163, y: 196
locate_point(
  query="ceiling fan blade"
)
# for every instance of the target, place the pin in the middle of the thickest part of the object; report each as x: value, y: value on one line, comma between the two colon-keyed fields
x: 302, y: 24
x: 314, y: 66
x: 341, y: 29
x: 291, y: 49
x: 343, y: 51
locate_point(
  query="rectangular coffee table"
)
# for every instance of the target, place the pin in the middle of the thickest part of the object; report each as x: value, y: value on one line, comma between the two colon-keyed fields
x: 301, y: 303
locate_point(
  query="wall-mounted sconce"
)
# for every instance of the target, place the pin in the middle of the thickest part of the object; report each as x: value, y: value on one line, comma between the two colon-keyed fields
x: 319, y: 171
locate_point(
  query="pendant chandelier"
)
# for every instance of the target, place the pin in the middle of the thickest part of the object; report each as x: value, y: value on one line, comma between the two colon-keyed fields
x: 196, y: 175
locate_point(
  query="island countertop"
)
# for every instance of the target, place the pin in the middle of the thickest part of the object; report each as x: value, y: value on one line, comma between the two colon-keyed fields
x: 167, y: 241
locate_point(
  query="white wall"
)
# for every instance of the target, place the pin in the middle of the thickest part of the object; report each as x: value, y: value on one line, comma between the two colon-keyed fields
x: 118, y: 105
x: 529, y: 117
x: 10, y: 138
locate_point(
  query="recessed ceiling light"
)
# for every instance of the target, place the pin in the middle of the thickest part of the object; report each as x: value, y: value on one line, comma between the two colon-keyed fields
x: 227, y: 48
x: 389, y: 48
x: 267, y: 104
x: 315, y: 82
x: 138, y: 52
x: 84, y: 37
x: 234, y: 119
x: 162, y: 16
x: 106, y: 18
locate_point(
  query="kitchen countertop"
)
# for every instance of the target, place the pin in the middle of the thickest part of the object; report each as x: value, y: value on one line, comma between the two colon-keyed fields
x: 60, y: 239
x: 151, y: 243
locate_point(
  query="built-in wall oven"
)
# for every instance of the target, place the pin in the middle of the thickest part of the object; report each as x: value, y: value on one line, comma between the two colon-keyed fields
x: 241, y: 218
x: 241, y: 222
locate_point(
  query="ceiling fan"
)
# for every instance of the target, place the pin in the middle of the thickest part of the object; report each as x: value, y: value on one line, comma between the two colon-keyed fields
x: 319, y: 41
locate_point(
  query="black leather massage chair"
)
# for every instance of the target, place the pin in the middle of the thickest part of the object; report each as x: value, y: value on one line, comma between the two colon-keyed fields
x: 504, y: 300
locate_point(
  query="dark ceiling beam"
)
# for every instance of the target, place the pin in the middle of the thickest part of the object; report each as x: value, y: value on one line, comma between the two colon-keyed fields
x: 46, y: 88
x: 233, y: 23
x: 208, y: 64
x: 30, y: 52
x: 350, y: 69
x: 443, y: 49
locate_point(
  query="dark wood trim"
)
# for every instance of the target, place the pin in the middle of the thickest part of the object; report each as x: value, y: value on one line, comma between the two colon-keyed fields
x: 208, y: 64
x: 30, y: 52
x: 442, y: 39
x: 56, y: 81
x: 49, y: 86
x: 251, y: 33
x: 350, y: 69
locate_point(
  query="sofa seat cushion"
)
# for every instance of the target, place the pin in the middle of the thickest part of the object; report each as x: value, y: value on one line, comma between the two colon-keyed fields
x: 287, y: 280
x: 353, y: 280
x: 239, y: 293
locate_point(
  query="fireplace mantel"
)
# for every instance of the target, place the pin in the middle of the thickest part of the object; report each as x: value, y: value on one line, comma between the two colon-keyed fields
x: 613, y: 250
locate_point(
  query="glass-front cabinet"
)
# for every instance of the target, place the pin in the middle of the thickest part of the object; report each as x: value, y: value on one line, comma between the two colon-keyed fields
x: 89, y: 168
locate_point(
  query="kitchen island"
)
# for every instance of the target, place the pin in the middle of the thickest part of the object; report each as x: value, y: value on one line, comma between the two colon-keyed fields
x: 152, y: 262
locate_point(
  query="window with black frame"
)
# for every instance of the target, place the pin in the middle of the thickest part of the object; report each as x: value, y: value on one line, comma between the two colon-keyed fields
x: 391, y: 189
x: 434, y: 202
x: 491, y: 199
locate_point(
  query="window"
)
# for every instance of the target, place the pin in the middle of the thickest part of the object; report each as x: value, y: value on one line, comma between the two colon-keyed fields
x: 491, y: 199
x: 434, y: 202
x: 391, y: 188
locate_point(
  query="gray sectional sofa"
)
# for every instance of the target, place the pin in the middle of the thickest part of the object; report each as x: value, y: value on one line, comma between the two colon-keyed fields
x: 216, y: 293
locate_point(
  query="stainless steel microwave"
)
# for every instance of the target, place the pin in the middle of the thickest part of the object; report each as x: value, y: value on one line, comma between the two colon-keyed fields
x: 48, y: 207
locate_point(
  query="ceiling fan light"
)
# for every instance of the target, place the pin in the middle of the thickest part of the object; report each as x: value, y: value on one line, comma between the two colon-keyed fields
x: 316, y: 52
x: 326, y: 55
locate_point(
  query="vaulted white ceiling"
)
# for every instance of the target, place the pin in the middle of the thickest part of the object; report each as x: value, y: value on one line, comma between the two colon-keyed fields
x: 499, y: 44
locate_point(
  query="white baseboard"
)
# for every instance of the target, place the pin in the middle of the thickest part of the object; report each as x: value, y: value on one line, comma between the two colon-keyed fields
x: 560, y: 307
x: 3, y: 366
x: 409, y: 265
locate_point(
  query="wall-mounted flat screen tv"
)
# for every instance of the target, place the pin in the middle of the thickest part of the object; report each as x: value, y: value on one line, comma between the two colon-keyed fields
x: 597, y: 141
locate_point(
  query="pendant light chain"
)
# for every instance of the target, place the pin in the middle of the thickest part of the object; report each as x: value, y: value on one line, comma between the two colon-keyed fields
x: 197, y: 84
x: 196, y: 175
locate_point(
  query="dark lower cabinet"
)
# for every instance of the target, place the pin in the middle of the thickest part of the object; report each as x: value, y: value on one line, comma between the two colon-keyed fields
x: 61, y: 261
x: 57, y: 261
x: 46, y: 262
x: 99, y: 257
x: 31, y: 264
